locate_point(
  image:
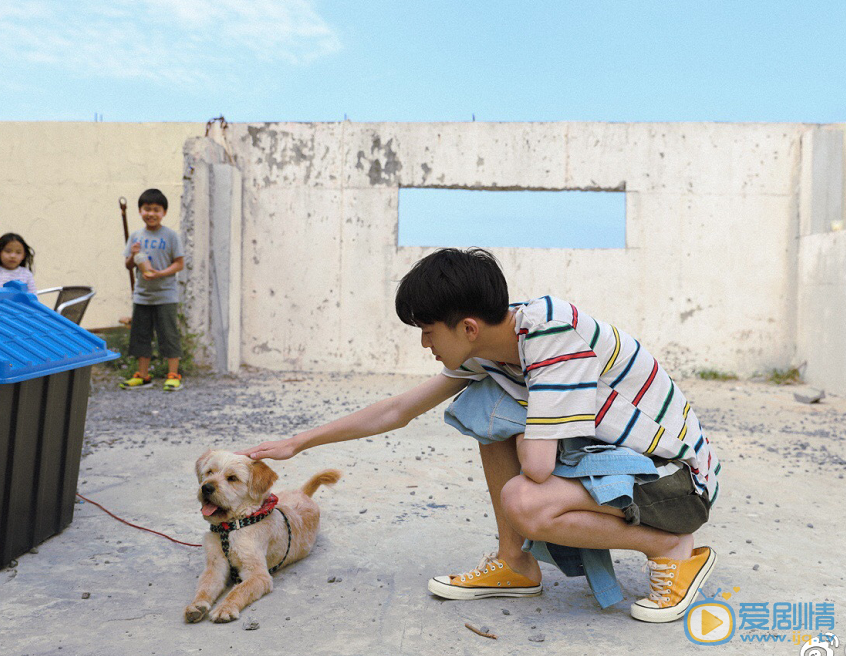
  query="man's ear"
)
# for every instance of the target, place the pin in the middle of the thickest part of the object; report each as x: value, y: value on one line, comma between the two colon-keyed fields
x: 470, y: 327
x: 262, y: 478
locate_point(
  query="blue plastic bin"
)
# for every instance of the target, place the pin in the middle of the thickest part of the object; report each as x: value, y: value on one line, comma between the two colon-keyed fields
x: 45, y: 376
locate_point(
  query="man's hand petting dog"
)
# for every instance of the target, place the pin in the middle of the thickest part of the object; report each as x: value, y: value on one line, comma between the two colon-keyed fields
x: 236, y: 501
x: 278, y: 450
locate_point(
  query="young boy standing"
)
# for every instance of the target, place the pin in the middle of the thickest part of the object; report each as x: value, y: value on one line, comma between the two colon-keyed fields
x: 156, y: 253
x: 586, y: 442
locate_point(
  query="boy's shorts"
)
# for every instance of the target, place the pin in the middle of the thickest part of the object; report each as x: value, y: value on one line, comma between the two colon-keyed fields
x: 487, y: 413
x: 161, y: 319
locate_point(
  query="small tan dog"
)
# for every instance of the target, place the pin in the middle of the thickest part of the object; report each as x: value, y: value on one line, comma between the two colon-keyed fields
x: 248, y: 538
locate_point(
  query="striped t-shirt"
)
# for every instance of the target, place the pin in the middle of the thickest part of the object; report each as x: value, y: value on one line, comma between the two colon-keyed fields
x: 580, y: 377
x: 21, y: 274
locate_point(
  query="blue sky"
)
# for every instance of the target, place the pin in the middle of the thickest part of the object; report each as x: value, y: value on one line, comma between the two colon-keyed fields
x: 321, y: 60
x: 326, y: 60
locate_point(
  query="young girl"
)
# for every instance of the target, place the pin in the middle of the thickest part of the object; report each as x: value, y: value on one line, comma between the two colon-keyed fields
x: 16, y: 261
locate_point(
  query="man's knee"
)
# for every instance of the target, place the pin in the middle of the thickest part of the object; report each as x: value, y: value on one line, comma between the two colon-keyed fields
x: 521, y: 505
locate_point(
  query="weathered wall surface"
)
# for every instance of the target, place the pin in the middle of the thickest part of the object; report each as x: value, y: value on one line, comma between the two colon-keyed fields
x: 708, y: 278
x: 59, y: 188
x: 821, y: 271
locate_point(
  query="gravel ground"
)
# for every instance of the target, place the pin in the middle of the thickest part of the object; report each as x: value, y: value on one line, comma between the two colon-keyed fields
x: 411, y: 504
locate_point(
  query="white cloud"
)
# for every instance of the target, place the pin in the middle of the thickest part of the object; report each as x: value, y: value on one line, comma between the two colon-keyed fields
x: 166, y: 40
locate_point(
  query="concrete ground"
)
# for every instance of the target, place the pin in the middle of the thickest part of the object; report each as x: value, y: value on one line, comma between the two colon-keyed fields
x: 411, y: 504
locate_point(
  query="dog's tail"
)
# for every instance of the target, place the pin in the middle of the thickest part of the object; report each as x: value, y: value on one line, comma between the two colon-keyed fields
x: 326, y: 477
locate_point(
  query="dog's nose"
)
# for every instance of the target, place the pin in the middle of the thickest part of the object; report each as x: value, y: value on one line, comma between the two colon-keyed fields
x: 208, y: 489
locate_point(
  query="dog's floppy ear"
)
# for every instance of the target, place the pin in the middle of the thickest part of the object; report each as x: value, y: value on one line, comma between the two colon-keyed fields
x: 262, y: 478
x: 201, y: 464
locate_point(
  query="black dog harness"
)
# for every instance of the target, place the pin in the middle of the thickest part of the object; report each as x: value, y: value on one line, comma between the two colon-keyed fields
x: 225, y: 528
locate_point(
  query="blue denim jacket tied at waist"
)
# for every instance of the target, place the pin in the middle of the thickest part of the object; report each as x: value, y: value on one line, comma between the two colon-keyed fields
x: 487, y: 413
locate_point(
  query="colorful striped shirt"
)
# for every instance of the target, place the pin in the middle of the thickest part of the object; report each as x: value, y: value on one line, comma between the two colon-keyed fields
x: 580, y: 377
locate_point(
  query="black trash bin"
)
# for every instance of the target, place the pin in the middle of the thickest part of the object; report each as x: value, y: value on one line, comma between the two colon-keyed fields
x: 45, y: 375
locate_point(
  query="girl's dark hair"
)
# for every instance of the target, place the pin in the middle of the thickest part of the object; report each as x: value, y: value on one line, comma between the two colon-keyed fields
x: 451, y: 284
x: 29, y: 253
x: 152, y: 197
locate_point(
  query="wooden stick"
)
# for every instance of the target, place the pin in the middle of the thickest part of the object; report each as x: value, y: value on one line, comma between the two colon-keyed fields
x: 479, y: 631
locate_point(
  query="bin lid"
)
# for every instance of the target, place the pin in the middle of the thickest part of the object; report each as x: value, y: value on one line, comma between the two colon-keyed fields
x: 36, y: 341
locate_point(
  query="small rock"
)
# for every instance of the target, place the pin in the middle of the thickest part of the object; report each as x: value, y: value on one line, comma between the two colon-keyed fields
x: 86, y: 595
x: 537, y: 637
x: 14, y: 563
x: 505, y: 611
x: 749, y: 542
x: 331, y: 579
x: 250, y: 625
x: 755, y: 567
x: 361, y: 512
x: 809, y: 396
x: 470, y: 478
x: 34, y: 550
x: 485, y: 629
x: 810, y: 525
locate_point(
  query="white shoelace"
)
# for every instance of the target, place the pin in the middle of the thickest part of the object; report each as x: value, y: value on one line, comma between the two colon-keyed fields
x: 488, y: 560
x: 660, y: 579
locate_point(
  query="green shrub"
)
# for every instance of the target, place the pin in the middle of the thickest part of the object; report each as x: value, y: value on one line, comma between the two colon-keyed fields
x: 790, y: 376
x: 714, y: 374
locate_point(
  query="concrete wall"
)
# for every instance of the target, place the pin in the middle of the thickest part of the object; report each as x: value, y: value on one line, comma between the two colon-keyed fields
x: 59, y: 189
x: 821, y: 271
x: 735, y: 256
x: 708, y: 278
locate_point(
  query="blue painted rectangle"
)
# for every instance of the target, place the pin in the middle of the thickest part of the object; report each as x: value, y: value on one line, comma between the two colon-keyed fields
x: 518, y: 219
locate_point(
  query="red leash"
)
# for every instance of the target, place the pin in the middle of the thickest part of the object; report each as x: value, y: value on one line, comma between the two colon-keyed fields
x: 140, y: 528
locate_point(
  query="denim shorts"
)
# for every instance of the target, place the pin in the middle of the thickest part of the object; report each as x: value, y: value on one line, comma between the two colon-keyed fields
x: 487, y: 413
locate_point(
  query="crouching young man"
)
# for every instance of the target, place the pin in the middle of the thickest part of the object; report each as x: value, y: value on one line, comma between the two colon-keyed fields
x: 586, y: 442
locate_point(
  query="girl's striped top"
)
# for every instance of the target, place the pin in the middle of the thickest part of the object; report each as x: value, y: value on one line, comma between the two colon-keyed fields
x: 580, y: 377
x: 22, y: 274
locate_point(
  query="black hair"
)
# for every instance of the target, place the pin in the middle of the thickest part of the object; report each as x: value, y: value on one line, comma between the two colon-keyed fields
x: 152, y: 197
x: 451, y: 284
x: 29, y: 253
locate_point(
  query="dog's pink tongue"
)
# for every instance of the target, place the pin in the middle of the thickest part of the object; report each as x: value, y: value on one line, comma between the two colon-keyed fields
x: 209, y: 509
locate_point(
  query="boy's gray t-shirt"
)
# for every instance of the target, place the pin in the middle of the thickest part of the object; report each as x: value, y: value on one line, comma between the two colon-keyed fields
x: 163, y: 246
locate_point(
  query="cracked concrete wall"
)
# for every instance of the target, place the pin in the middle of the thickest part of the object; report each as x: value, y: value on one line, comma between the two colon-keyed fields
x: 707, y: 278
x: 821, y: 277
x: 59, y: 188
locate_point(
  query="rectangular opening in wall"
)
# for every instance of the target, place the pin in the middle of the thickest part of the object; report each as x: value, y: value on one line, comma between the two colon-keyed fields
x: 527, y: 219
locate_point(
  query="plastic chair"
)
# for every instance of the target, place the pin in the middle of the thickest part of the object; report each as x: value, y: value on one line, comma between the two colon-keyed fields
x: 72, y: 301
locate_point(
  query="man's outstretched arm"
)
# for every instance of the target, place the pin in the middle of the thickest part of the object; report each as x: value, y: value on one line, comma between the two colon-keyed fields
x: 381, y: 417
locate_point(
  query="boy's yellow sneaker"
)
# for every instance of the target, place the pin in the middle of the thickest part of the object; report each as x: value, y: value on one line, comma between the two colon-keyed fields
x: 674, y: 584
x: 492, y: 578
x: 137, y: 382
x: 173, y: 383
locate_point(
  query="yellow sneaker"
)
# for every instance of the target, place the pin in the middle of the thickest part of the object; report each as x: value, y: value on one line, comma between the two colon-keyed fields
x: 173, y: 383
x: 492, y: 578
x: 674, y: 584
x: 137, y: 382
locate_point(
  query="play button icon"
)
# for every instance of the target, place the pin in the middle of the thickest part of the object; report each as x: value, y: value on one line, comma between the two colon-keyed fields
x: 709, y: 623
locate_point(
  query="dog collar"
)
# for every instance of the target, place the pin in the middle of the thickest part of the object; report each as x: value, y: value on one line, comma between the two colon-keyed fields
x: 225, y: 528
x: 266, y: 508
